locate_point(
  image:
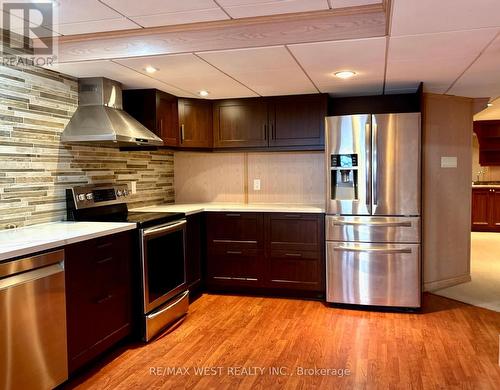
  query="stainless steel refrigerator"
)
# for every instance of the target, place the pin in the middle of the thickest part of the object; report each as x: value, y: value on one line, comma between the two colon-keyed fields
x: 373, y: 247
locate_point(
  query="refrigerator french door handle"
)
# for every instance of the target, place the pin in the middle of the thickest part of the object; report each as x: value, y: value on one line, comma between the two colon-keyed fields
x: 368, y: 165
x: 374, y: 161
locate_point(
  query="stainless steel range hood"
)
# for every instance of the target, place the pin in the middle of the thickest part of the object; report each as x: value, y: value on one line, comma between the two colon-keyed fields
x: 100, y: 120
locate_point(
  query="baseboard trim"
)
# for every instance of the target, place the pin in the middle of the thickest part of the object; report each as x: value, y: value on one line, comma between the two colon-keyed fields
x: 440, y: 284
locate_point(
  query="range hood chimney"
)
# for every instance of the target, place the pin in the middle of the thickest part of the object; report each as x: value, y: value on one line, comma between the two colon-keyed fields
x: 100, y: 120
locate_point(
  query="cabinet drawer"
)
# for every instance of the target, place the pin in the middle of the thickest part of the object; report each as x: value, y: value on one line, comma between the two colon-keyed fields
x: 245, y: 227
x: 295, y: 254
x: 234, y: 248
x: 295, y: 231
x: 235, y: 266
x: 295, y: 273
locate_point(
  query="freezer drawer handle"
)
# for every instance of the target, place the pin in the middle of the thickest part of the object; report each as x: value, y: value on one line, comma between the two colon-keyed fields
x: 373, y: 250
x: 382, y: 224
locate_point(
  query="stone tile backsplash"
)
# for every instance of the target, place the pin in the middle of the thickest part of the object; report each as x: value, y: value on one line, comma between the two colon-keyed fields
x: 35, y: 168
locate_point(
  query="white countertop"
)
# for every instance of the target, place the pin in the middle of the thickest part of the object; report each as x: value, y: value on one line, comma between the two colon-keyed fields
x: 30, y: 239
x: 194, y: 208
x: 486, y: 186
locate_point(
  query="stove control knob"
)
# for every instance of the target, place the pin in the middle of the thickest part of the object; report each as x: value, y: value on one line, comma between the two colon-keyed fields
x: 81, y: 197
x: 119, y: 193
x: 89, y: 196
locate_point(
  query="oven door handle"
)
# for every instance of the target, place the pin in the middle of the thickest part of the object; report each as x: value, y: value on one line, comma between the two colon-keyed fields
x: 164, y: 229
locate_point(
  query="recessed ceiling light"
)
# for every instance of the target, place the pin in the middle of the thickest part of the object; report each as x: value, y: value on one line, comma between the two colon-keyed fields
x: 345, y: 74
x: 203, y: 93
x: 150, y: 69
x: 489, y: 104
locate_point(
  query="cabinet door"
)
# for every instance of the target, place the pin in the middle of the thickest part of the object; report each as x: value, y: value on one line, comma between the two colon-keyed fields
x: 240, y: 123
x: 298, y: 120
x: 167, y: 119
x: 495, y: 209
x: 195, y: 121
x: 98, y: 296
x: 481, y: 209
x: 235, y: 254
x: 294, y: 251
x: 194, y: 252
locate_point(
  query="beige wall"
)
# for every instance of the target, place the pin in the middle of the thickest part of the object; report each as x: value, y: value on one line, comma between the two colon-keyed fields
x: 296, y: 177
x: 447, y: 191
x: 36, y: 169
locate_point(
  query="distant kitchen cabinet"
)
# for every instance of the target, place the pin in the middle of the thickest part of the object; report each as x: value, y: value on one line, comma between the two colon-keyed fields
x: 252, y: 252
x: 194, y: 253
x: 486, y: 209
x: 98, y: 295
x: 488, y: 135
x: 286, y: 122
x: 180, y: 122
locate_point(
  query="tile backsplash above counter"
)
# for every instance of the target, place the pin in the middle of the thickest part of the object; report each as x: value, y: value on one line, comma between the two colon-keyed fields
x: 35, y: 168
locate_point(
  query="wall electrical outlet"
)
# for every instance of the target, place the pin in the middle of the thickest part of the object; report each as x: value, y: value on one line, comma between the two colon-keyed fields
x: 256, y: 184
x: 133, y: 187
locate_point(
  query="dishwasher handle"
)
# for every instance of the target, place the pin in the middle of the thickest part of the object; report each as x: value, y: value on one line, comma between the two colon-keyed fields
x: 30, y: 276
x: 13, y: 267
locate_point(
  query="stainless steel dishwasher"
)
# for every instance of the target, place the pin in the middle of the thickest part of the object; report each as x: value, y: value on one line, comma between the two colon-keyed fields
x: 33, y: 322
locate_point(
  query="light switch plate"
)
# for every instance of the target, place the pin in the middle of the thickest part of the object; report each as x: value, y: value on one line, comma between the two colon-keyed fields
x: 449, y: 162
x: 133, y: 187
x: 256, y: 184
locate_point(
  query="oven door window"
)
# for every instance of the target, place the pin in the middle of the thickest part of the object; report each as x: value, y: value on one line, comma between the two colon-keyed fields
x: 165, y: 266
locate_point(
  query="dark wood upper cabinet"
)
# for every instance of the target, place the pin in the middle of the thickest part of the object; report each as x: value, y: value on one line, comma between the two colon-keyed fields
x: 240, y: 123
x: 180, y: 122
x: 294, y: 121
x: 297, y: 120
x: 195, y: 121
x: 488, y: 135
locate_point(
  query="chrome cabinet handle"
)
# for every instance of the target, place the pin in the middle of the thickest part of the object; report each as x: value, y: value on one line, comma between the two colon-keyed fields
x: 234, y: 252
x: 182, y: 133
x: 233, y: 215
x: 293, y: 254
x: 104, y: 299
x: 371, y: 250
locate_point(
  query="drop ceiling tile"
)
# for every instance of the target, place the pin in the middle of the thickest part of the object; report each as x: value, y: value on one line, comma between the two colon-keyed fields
x: 95, y: 26
x: 249, y: 8
x: 268, y: 71
x: 482, y: 79
x: 429, y: 16
x: 128, y: 77
x: 352, y: 3
x: 366, y: 57
x: 153, y: 7
x: 436, y: 59
x: 190, y: 73
x: 205, y: 15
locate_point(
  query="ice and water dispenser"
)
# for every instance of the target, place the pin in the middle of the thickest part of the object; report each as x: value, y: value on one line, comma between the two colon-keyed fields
x: 344, y: 176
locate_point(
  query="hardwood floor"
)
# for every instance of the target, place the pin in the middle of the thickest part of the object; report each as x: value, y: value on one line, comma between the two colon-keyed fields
x: 449, y: 345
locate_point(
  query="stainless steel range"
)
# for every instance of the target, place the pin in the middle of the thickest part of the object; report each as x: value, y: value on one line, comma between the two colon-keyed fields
x: 161, y: 251
x: 373, y: 209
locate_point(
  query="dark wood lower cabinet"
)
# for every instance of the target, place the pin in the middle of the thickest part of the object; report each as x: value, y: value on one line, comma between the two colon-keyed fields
x: 98, y: 295
x: 266, y: 251
x: 194, y: 253
x: 485, y: 209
